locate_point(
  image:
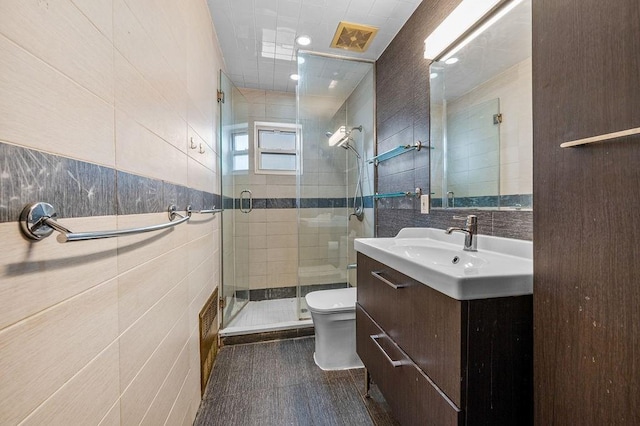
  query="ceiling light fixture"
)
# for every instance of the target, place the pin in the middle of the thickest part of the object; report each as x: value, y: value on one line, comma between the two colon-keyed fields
x: 433, y: 75
x: 301, y: 60
x: 451, y: 61
x: 465, y: 23
x: 303, y: 40
x: 294, y: 77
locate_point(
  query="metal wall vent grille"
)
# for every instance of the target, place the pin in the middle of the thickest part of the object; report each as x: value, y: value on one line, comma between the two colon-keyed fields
x: 208, y: 338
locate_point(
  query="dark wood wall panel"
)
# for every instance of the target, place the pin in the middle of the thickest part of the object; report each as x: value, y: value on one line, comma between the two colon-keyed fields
x: 586, y: 81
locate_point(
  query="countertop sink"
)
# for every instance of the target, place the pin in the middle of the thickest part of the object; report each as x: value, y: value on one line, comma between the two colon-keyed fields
x: 501, y: 267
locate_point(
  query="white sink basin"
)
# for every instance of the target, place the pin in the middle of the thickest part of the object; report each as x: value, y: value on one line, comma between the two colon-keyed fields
x: 501, y: 267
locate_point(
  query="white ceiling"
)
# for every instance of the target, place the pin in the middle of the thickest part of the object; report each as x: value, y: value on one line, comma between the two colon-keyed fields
x: 257, y: 36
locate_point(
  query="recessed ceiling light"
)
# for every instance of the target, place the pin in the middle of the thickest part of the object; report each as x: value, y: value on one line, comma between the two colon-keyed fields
x: 433, y: 75
x: 294, y: 77
x: 451, y: 61
x: 301, y: 60
x: 303, y: 40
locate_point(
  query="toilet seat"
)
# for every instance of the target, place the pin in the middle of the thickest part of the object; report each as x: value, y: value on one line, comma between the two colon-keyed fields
x: 331, y: 301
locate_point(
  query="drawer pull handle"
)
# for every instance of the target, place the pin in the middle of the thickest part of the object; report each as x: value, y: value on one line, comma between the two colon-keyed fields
x: 375, y: 338
x: 386, y: 281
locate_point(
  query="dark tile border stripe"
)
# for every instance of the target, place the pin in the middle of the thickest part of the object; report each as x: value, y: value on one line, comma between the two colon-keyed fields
x: 289, y: 292
x: 291, y: 203
x: 80, y: 189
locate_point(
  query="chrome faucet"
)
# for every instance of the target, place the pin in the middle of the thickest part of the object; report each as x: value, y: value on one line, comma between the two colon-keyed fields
x: 470, y: 232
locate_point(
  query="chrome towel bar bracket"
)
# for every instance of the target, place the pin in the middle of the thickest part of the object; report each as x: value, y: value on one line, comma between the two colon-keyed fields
x: 38, y: 221
x: 208, y: 211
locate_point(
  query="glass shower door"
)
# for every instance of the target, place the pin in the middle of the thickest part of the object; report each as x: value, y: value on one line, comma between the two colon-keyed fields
x: 234, y: 146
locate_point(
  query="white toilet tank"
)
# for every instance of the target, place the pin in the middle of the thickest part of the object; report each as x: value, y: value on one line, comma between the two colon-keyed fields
x: 334, y: 319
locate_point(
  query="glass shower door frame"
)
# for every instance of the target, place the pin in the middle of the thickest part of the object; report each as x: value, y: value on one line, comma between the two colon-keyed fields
x: 234, y: 285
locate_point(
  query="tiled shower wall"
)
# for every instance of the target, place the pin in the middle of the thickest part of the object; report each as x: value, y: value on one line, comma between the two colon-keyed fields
x: 402, y: 117
x: 99, y: 100
x: 271, y: 229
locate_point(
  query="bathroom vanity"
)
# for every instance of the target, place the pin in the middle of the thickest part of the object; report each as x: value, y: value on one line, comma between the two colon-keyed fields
x: 443, y: 360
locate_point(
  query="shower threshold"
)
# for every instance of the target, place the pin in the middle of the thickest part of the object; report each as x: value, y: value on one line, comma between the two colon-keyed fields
x: 266, y: 316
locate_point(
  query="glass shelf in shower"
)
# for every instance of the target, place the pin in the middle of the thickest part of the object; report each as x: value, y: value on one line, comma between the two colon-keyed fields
x: 416, y: 193
x: 399, y: 150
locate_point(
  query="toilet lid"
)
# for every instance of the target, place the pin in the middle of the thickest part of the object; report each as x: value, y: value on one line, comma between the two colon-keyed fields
x: 343, y: 299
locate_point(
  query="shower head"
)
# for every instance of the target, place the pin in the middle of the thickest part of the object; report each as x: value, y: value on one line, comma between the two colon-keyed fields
x: 342, y: 136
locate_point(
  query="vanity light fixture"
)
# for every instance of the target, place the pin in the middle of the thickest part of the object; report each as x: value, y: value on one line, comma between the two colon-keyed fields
x: 465, y: 23
x: 303, y: 40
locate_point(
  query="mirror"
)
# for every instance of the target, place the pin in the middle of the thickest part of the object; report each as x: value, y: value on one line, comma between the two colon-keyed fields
x: 481, y: 118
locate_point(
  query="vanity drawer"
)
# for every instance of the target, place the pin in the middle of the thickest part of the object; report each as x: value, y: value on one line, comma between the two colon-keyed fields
x: 390, y: 369
x: 432, y: 407
x: 386, y: 295
x: 412, y: 396
x: 426, y: 324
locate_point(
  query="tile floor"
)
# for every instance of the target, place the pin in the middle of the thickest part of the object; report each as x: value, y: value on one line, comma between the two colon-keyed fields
x: 277, y: 383
x: 266, y: 315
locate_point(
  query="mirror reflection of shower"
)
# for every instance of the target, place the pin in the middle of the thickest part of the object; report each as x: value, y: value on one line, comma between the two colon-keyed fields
x: 342, y: 138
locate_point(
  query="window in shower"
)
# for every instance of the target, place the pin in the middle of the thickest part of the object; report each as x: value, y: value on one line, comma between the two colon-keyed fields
x: 275, y: 147
x: 240, y: 141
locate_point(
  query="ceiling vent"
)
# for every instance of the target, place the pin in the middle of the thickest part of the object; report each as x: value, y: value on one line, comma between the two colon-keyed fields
x: 353, y: 37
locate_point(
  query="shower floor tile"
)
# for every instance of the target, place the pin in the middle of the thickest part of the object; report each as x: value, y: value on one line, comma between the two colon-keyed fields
x: 266, y: 315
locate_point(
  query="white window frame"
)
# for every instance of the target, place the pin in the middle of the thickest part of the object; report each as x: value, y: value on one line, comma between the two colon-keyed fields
x: 235, y: 152
x: 287, y: 127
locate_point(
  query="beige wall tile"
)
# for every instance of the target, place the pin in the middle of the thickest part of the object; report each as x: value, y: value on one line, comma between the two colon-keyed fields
x: 40, y: 105
x: 40, y: 354
x: 181, y: 406
x: 38, y: 275
x: 141, y: 49
x: 198, y: 251
x: 141, y: 287
x: 203, y: 152
x: 138, y: 397
x: 283, y: 241
x: 100, y: 13
x: 135, y: 250
x: 86, y: 398
x: 282, y: 228
x: 282, y: 215
x: 140, y: 341
x: 112, y: 418
x: 200, y: 177
x: 202, y: 123
x: 59, y: 34
x: 289, y: 254
x: 144, y: 104
x: 162, y: 21
x: 161, y: 406
x: 61, y: 78
x: 201, y: 286
x: 201, y: 225
x: 142, y: 152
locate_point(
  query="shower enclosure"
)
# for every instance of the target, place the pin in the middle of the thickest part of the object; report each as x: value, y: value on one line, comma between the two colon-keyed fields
x: 294, y: 202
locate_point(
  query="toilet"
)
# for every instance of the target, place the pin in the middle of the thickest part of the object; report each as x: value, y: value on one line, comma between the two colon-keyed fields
x: 334, y: 318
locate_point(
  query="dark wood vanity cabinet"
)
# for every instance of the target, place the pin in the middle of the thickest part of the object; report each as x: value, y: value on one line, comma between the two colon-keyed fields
x: 441, y: 361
